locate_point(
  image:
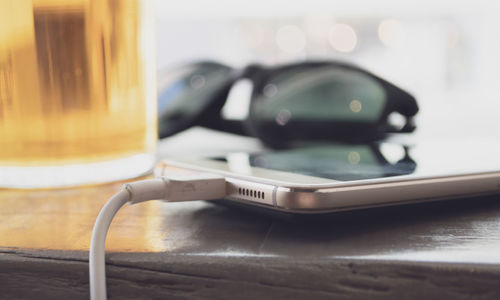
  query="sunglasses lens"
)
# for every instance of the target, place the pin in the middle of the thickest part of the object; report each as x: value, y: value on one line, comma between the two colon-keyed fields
x: 185, y: 92
x: 321, y: 95
x: 308, y: 102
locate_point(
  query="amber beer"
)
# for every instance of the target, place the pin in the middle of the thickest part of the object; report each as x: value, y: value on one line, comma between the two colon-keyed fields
x: 77, y: 82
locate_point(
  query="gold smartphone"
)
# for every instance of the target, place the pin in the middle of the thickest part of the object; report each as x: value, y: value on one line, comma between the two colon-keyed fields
x: 324, y: 178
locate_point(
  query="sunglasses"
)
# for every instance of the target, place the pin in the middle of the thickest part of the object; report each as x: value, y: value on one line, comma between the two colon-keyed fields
x: 322, y: 101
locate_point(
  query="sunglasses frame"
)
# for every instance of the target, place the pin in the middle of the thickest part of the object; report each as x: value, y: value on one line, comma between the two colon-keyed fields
x: 397, y: 100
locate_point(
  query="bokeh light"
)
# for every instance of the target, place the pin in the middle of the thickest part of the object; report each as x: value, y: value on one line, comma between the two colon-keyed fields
x: 343, y: 38
x: 353, y: 158
x: 355, y: 106
x: 390, y: 32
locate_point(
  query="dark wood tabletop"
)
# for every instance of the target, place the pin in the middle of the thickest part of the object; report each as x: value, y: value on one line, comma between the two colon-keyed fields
x: 200, y: 250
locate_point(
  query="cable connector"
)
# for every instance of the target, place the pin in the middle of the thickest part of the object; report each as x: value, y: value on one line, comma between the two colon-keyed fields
x: 178, y: 187
x: 175, y: 187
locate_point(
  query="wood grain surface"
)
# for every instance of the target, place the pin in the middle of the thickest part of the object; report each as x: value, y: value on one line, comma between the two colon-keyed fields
x: 200, y: 250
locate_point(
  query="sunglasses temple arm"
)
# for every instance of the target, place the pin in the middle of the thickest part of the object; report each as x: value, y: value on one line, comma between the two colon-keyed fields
x: 406, y: 105
x: 409, y: 126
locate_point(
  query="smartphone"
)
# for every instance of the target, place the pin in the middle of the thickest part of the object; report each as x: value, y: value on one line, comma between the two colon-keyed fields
x: 326, y: 178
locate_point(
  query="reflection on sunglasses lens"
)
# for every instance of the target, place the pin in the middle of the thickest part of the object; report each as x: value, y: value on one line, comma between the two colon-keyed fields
x: 321, y: 94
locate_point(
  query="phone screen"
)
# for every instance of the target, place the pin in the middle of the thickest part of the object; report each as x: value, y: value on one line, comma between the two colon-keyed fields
x: 345, y: 162
x: 338, y: 161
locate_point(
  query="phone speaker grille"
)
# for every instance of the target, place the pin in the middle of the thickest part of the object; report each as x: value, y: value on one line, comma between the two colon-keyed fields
x: 251, y: 193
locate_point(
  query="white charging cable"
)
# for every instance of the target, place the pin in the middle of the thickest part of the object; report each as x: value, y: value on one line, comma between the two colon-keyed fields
x: 173, y: 188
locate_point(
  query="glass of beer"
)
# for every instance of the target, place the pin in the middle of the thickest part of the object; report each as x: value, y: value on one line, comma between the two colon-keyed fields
x: 77, y: 91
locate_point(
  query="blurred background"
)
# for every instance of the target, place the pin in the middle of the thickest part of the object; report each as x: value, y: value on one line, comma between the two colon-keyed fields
x: 446, y: 53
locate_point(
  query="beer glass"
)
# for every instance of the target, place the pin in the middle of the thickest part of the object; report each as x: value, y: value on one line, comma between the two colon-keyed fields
x: 77, y: 91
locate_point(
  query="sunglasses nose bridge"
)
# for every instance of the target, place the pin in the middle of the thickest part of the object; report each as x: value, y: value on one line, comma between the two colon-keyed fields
x: 250, y: 71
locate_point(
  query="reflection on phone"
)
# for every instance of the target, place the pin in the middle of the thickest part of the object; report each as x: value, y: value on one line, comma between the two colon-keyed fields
x: 342, y: 162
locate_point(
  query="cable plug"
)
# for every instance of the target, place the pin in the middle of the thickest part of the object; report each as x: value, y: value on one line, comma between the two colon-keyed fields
x: 178, y: 187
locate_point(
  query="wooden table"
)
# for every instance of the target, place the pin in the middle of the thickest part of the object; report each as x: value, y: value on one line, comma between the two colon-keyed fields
x: 200, y: 250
